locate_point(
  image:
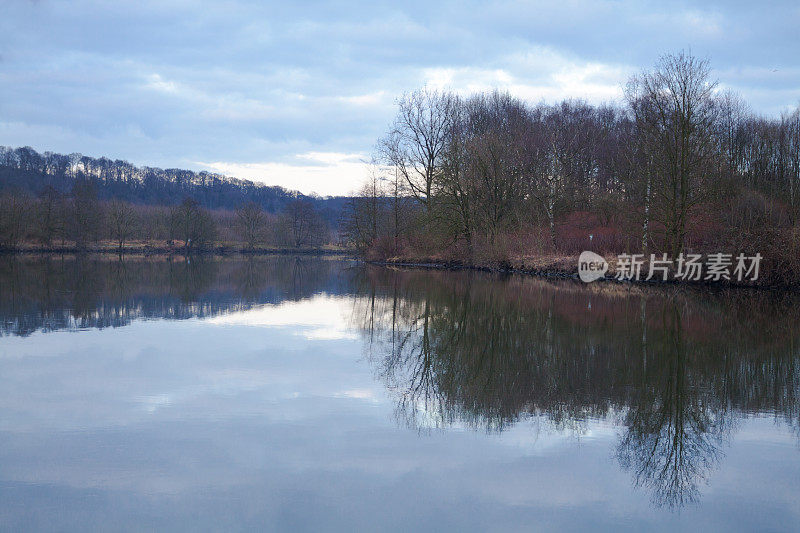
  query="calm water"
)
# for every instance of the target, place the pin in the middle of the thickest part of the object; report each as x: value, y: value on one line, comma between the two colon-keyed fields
x: 315, y: 394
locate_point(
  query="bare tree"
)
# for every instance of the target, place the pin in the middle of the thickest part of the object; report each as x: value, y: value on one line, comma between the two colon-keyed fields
x: 733, y: 112
x: 417, y: 141
x: 498, y: 123
x: 193, y: 225
x: 49, y: 216
x: 363, y: 219
x: 545, y: 155
x: 457, y: 189
x: 14, y: 219
x: 251, y: 224
x: 675, y: 111
x: 302, y: 224
x: 86, y: 214
x: 122, y: 222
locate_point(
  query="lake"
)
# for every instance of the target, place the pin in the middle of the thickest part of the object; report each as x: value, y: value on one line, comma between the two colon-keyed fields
x: 309, y: 393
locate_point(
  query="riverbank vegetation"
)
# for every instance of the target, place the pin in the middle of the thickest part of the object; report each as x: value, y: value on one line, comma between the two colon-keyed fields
x: 80, y: 221
x: 51, y: 201
x: 488, y: 179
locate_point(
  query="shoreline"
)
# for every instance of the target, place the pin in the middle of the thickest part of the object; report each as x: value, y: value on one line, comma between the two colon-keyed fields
x: 559, y: 271
x: 558, y: 268
x: 144, y: 250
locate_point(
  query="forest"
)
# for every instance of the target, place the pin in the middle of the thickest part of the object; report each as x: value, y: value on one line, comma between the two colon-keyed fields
x: 52, y: 201
x: 488, y: 179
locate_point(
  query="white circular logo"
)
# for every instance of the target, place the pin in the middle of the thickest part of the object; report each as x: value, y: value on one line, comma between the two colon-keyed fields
x: 591, y: 266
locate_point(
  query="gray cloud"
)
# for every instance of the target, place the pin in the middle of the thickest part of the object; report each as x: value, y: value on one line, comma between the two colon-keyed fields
x: 253, y: 83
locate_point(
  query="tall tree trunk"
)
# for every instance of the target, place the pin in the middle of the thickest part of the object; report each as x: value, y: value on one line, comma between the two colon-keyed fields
x: 551, y: 213
x: 646, y: 224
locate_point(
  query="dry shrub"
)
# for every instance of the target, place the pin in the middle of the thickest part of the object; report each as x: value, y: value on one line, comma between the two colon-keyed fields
x: 780, y: 249
x: 573, y: 233
x: 703, y: 229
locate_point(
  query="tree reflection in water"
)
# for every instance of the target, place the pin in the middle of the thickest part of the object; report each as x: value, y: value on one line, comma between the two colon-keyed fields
x: 47, y: 294
x: 673, y: 437
x: 675, y: 366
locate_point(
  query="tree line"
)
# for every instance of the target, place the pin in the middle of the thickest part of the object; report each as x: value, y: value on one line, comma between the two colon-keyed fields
x: 79, y: 219
x: 24, y: 170
x: 681, y: 166
x: 51, y: 200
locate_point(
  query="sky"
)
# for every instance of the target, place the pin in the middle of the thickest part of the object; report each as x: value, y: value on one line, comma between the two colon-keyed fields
x: 298, y: 93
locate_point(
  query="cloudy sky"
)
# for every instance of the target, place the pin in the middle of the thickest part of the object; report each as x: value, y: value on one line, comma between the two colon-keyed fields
x: 296, y: 94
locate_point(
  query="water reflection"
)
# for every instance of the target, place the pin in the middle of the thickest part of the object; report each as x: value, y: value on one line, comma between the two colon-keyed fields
x: 675, y: 373
x: 97, y: 292
x: 676, y: 369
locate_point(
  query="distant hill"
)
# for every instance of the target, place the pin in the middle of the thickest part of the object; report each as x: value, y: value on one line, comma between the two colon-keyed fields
x: 24, y: 169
